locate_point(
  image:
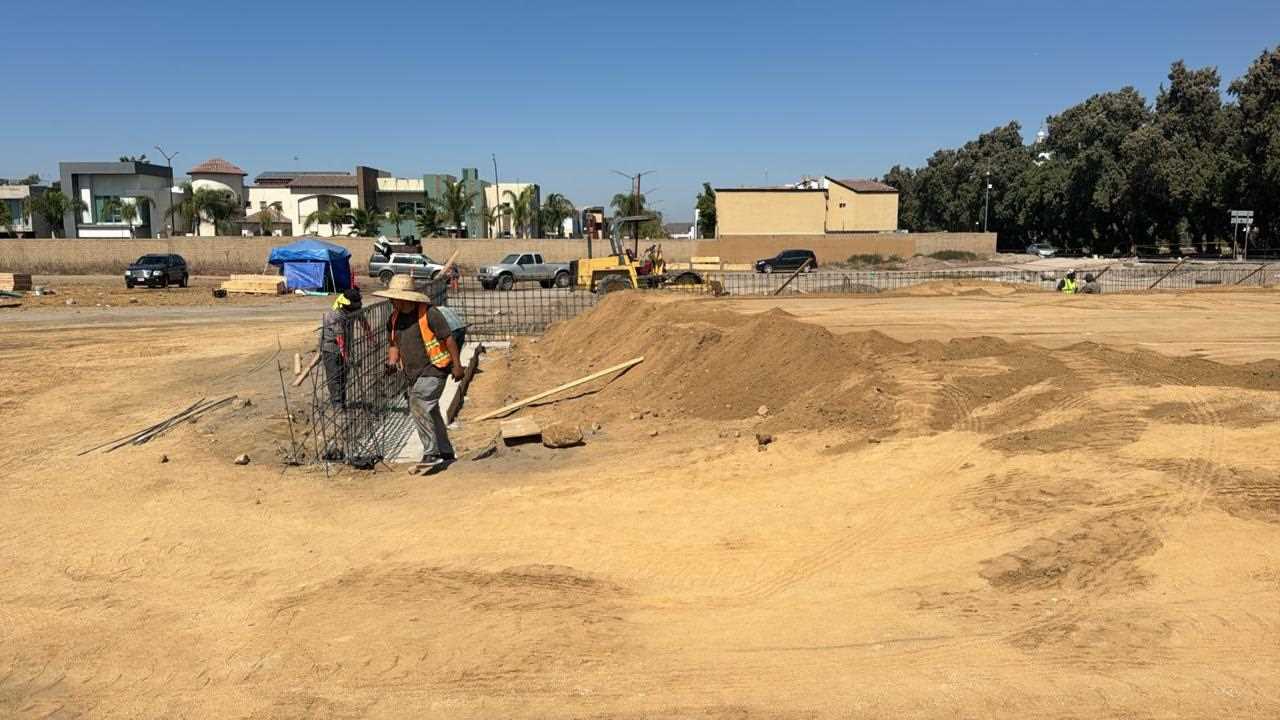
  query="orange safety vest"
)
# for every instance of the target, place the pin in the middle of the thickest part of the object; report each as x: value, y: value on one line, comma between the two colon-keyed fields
x: 437, y: 353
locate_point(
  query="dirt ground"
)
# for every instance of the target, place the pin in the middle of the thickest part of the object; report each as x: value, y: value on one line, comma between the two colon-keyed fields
x: 974, y: 505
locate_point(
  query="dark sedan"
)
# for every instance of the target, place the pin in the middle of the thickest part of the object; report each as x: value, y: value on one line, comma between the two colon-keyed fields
x: 157, y: 271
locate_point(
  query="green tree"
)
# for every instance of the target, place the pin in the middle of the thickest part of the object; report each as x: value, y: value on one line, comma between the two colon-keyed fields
x: 625, y: 204
x: 454, y: 203
x: 217, y: 206
x: 706, y: 206
x: 495, y: 216
x: 134, y: 158
x: 6, y: 217
x: 427, y: 221
x: 53, y: 205
x: 335, y: 215
x: 1257, y: 94
x: 366, y: 222
x: 523, y: 211
x: 554, y: 212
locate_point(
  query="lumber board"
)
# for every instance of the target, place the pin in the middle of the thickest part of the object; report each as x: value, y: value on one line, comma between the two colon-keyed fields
x: 521, y: 427
x: 256, y: 278
x: 507, y: 409
x: 455, y: 405
x: 15, y: 281
x: 275, y: 287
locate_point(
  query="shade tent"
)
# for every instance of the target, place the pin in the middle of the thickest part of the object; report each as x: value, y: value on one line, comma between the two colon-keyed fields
x: 313, y: 264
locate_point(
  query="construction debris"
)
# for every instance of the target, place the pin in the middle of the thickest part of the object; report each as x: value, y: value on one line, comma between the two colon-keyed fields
x: 561, y: 435
x: 10, y: 304
x: 507, y: 409
x: 762, y: 410
x: 146, y: 434
x: 255, y: 284
x: 519, y: 429
x: 242, y: 459
x: 487, y: 451
x: 763, y: 439
x: 455, y: 405
x: 15, y: 282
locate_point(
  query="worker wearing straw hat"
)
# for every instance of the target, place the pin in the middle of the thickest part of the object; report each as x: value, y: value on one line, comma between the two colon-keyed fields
x: 422, y: 346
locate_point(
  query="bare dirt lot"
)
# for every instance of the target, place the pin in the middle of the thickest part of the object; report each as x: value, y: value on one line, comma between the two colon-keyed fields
x: 975, y: 505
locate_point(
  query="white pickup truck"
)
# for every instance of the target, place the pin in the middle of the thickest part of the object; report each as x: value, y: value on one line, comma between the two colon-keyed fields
x: 524, y: 267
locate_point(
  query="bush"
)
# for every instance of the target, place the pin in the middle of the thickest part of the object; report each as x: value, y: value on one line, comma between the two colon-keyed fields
x: 865, y: 260
x: 954, y: 255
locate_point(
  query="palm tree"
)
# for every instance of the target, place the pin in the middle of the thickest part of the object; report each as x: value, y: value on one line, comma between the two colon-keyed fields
x: 455, y: 202
x: 427, y: 221
x: 555, y: 211
x: 217, y: 206
x: 394, y: 218
x: 366, y: 222
x: 335, y: 216
x: 523, y: 211
x: 495, y: 216
x: 53, y: 205
x: 625, y: 204
x: 186, y: 208
x: 127, y: 211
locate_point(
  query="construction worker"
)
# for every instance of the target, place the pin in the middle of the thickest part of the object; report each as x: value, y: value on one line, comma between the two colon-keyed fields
x: 335, y: 337
x: 1091, y: 285
x: 1068, y: 284
x: 423, y: 347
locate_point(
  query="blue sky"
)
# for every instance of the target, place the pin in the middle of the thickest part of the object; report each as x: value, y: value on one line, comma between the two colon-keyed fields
x: 563, y: 92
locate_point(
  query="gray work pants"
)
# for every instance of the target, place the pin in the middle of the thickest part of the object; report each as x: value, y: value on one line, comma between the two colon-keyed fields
x: 424, y: 406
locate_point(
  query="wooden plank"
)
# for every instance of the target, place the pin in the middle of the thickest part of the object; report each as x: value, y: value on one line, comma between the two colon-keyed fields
x: 15, y: 281
x: 799, y: 270
x: 1171, y: 271
x: 707, y: 260
x: 521, y: 427
x: 508, y: 409
x: 455, y: 405
x: 256, y: 278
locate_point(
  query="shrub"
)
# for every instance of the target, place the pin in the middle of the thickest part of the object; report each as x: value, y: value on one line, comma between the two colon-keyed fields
x: 953, y: 255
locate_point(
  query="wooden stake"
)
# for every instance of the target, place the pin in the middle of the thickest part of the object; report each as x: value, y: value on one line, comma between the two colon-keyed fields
x: 1171, y: 271
x: 799, y: 270
x: 455, y: 405
x: 567, y: 386
x: 297, y: 364
x: 306, y: 371
x: 1255, y: 272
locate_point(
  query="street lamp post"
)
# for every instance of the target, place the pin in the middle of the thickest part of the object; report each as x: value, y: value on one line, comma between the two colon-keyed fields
x: 986, y: 201
x: 497, y: 196
x: 168, y: 211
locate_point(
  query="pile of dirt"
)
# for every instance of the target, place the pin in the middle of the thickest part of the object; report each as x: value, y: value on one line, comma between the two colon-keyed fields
x: 963, y: 287
x: 705, y: 362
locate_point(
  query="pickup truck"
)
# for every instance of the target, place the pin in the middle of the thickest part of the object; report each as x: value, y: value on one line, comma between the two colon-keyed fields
x: 413, y: 264
x: 524, y: 267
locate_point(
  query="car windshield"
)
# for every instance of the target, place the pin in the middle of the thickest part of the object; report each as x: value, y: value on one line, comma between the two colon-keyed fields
x: 152, y: 260
x: 510, y: 260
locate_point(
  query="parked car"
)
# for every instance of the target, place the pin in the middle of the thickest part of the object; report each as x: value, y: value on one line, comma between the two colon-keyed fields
x: 524, y: 267
x: 157, y: 271
x: 415, y: 265
x: 1044, y: 250
x: 788, y: 261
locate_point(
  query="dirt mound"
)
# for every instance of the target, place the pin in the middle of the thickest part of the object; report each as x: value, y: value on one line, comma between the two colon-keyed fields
x: 936, y: 288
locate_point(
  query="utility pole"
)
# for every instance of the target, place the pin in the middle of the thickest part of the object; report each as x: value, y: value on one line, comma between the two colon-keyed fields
x: 497, y: 196
x: 635, y: 198
x: 168, y: 212
x: 986, y: 201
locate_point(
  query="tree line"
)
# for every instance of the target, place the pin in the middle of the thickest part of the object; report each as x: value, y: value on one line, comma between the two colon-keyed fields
x: 1117, y: 174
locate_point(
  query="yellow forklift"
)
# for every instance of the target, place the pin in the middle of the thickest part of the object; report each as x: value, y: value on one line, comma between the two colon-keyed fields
x: 624, y: 269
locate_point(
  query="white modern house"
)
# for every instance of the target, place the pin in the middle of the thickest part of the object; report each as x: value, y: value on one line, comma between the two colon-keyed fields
x: 24, y: 223
x: 148, y: 186
x: 504, y: 194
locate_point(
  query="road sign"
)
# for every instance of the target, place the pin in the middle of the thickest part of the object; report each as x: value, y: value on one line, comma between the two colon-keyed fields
x: 1241, y: 213
x: 1241, y: 221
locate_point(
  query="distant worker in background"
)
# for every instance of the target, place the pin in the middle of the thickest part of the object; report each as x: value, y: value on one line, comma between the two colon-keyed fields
x: 335, y: 343
x: 423, y: 346
x: 1091, y: 285
x: 1068, y: 284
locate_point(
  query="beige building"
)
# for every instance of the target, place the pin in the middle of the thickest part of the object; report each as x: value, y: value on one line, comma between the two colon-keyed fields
x: 505, y: 194
x: 218, y: 174
x: 815, y: 207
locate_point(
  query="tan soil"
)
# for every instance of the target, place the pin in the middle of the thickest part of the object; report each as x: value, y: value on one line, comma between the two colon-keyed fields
x: 951, y: 521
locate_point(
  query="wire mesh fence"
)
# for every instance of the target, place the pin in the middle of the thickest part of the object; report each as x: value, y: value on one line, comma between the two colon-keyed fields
x: 352, y: 396
x: 359, y: 411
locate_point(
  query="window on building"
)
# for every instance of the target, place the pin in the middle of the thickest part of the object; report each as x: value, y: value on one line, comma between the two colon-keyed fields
x: 99, y: 209
x: 405, y: 207
x: 16, y: 211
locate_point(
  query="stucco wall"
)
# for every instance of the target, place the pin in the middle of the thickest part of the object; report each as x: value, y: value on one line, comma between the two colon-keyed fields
x: 862, y: 212
x: 769, y: 212
x: 835, y: 247
x: 222, y: 255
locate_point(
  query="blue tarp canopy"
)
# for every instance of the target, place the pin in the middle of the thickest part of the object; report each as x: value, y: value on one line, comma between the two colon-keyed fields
x: 313, y: 264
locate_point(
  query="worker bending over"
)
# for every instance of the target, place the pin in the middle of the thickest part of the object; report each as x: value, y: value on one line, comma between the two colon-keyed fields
x: 423, y: 347
x: 1068, y: 284
x: 1091, y: 285
x: 335, y: 343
